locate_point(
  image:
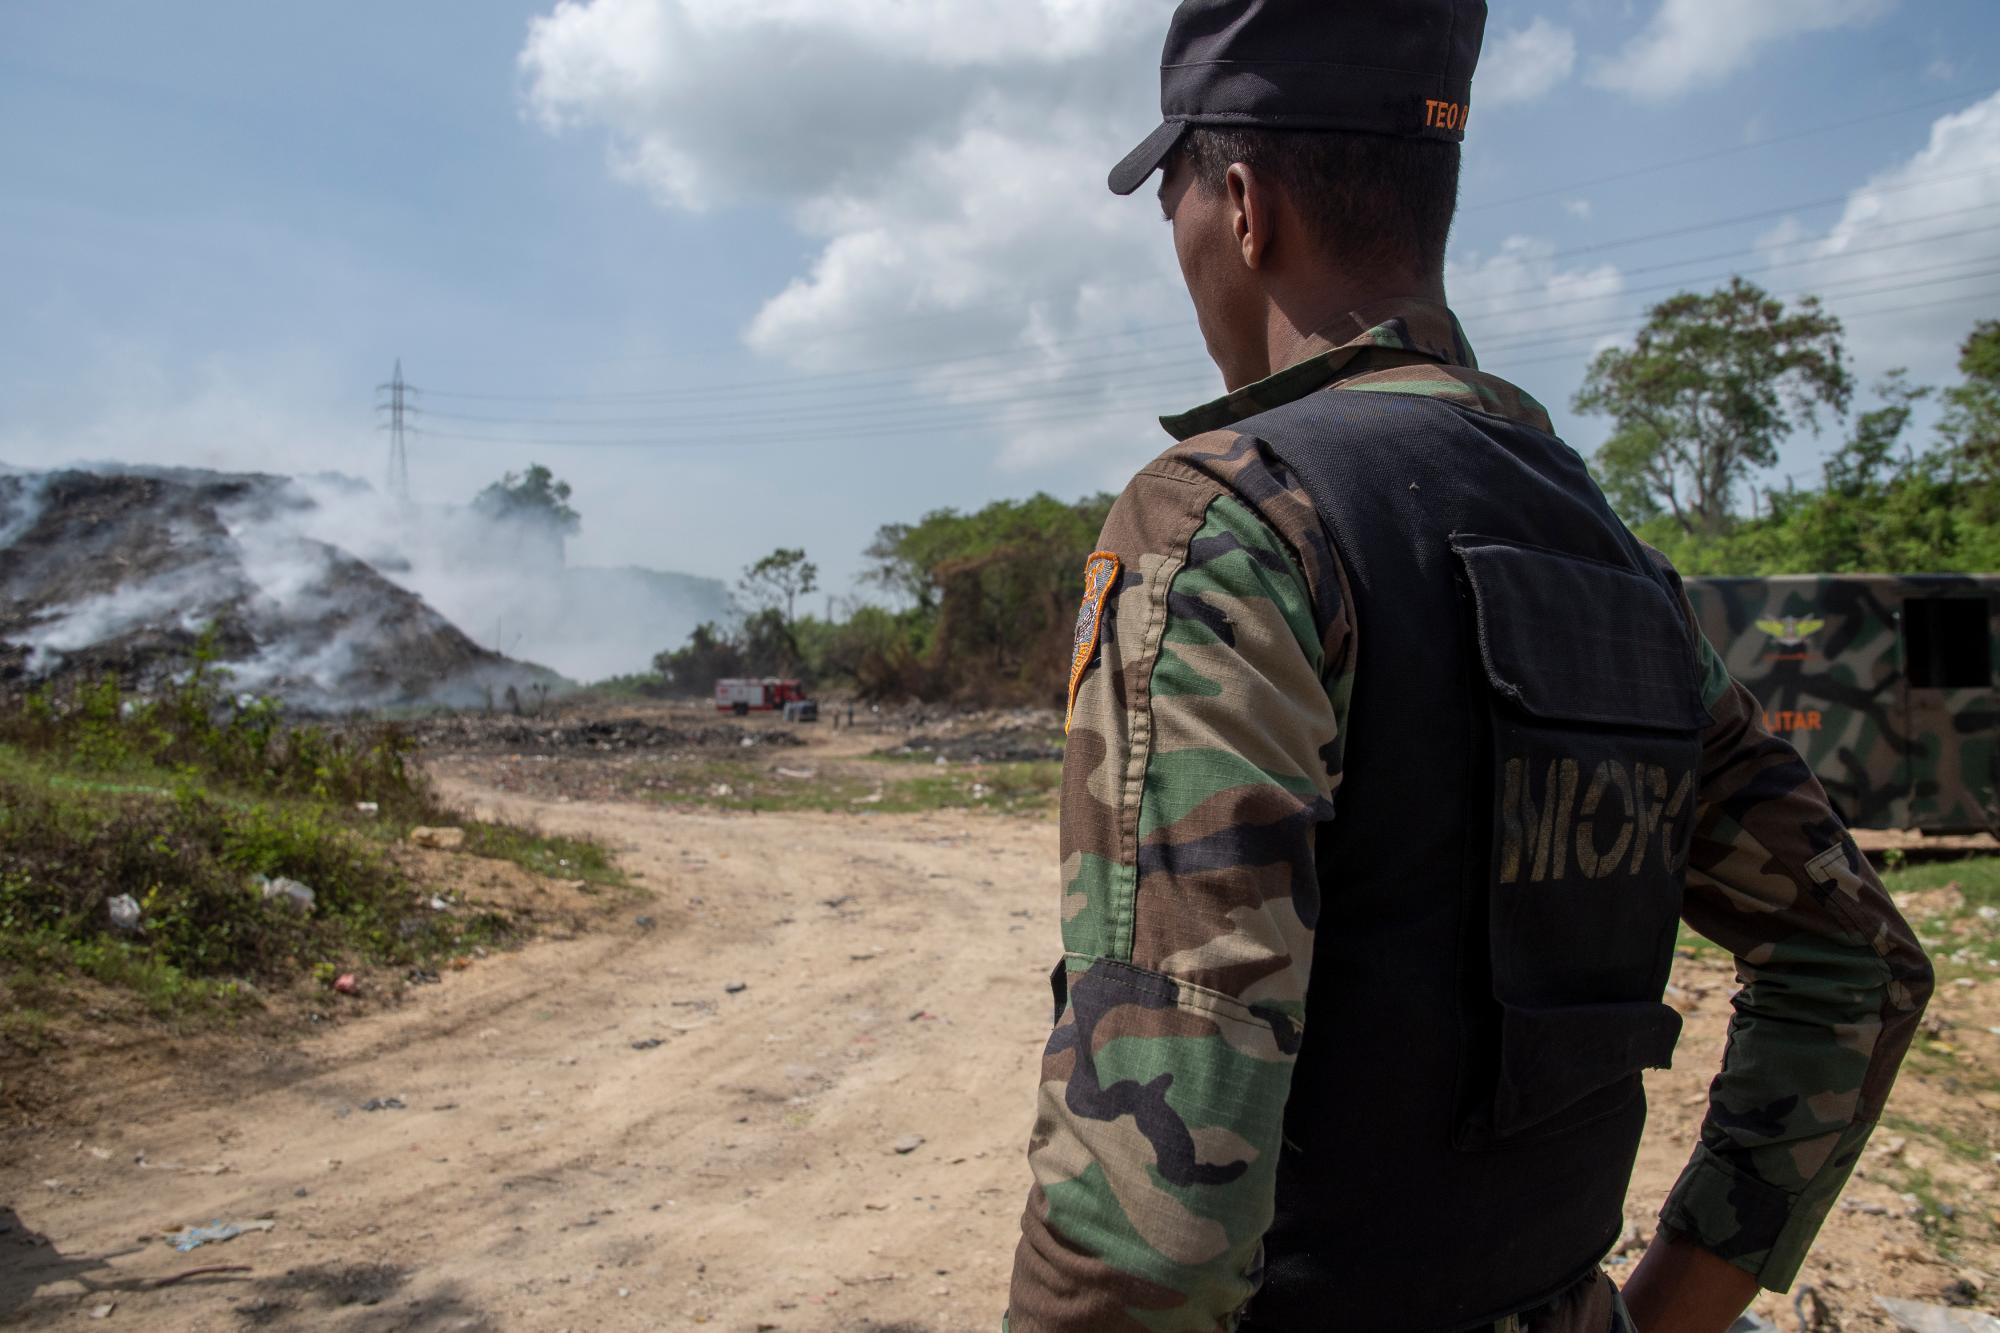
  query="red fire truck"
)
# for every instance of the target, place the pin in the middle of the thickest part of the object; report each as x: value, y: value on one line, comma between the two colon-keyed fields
x: 742, y: 694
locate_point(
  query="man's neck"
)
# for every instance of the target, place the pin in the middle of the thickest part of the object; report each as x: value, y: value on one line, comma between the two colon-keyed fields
x: 1294, y: 318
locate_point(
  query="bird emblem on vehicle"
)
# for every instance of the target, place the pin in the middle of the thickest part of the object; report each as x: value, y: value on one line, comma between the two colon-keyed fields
x: 1792, y: 631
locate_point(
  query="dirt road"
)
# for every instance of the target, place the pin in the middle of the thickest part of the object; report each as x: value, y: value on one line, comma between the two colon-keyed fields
x: 544, y: 1173
x: 604, y: 1133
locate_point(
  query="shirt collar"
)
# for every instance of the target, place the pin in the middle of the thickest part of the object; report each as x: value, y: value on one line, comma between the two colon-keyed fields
x: 1406, y: 327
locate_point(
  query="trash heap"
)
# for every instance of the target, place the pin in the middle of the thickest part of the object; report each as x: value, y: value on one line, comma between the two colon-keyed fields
x: 127, y: 573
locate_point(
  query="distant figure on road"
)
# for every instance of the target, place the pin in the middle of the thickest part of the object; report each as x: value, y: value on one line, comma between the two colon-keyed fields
x: 1394, y: 763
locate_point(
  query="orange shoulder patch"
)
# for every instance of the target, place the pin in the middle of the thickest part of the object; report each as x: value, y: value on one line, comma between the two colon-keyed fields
x: 1100, y: 572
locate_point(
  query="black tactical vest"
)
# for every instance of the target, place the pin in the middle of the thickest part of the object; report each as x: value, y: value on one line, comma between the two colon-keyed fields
x: 1500, y: 883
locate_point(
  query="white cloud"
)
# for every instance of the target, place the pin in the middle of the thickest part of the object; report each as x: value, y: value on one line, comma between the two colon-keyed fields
x: 1577, y: 208
x: 1519, y: 300
x: 1524, y: 65
x: 946, y: 161
x: 1902, y: 265
x: 1691, y: 43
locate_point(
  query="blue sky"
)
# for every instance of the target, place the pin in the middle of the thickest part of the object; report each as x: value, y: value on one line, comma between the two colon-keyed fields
x: 816, y: 266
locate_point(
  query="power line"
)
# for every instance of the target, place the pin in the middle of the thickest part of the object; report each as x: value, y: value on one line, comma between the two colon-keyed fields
x: 794, y: 384
x: 1064, y: 416
x: 1012, y: 395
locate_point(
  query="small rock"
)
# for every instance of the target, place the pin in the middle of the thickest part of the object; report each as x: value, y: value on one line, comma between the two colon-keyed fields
x: 103, y: 1311
x: 124, y: 912
x: 648, y: 1043
x: 290, y: 892
x: 737, y: 987
x: 643, y: 922
x: 438, y: 839
x: 908, y: 1144
x: 367, y: 808
x: 383, y: 1104
x: 1894, y: 1145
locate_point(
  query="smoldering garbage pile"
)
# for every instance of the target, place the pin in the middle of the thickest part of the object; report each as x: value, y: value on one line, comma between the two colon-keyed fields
x: 112, y: 572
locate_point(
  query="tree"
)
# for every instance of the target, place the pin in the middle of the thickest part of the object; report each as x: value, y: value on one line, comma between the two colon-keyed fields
x: 708, y: 656
x: 1970, y: 426
x: 780, y: 578
x: 535, y: 498
x: 1704, y: 396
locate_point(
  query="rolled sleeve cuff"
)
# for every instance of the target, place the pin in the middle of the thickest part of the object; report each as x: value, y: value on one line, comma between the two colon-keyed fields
x: 1761, y: 1228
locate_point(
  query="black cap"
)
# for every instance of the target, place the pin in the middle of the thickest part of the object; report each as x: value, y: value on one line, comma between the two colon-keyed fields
x: 1395, y: 67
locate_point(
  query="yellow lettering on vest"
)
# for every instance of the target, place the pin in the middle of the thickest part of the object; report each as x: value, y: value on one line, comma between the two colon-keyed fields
x: 1595, y: 864
x: 1667, y: 838
x: 1559, y: 821
x: 1648, y: 798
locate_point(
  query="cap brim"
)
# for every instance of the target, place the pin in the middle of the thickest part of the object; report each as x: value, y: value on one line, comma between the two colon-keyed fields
x: 1142, y: 161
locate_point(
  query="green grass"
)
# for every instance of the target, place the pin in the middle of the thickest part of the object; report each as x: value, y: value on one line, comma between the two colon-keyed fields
x: 544, y: 854
x: 875, y: 786
x: 1959, y: 940
x: 182, y: 803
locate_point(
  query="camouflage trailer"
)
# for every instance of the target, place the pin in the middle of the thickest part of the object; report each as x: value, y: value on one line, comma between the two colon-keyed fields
x: 1885, y: 683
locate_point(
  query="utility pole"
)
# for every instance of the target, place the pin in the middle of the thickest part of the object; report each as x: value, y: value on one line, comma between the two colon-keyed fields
x: 397, y: 406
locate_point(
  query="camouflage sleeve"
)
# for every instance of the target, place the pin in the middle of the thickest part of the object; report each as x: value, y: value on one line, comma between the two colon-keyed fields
x: 1832, y: 982
x: 1201, y: 759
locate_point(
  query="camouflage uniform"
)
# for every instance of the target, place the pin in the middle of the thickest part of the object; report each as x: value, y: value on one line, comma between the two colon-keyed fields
x: 1204, y: 754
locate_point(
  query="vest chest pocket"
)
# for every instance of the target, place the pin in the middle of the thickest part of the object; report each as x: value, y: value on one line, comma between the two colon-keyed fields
x: 1593, y: 745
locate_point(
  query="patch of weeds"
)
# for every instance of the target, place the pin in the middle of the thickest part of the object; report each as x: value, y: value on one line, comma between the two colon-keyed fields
x: 875, y: 786
x: 1961, y: 930
x: 24, y: 1026
x: 1945, y: 1137
x: 546, y: 854
x: 185, y: 802
x: 1940, y: 1217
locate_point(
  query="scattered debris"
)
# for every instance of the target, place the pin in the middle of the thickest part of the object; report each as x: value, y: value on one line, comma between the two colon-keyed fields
x: 422, y: 976
x: 193, y: 1238
x: 369, y: 808
x: 291, y: 891
x: 383, y: 1104
x: 648, y: 1043
x: 345, y: 984
x: 438, y: 839
x: 643, y: 922
x: 124, y: 912
x: 737, y: 987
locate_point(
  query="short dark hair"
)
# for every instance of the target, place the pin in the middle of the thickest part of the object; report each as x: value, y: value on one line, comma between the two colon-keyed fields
x: 1374, y: 200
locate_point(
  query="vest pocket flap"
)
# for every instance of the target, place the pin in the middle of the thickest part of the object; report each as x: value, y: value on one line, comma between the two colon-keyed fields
x: 1579, y: 641
x: 1550, y: 1059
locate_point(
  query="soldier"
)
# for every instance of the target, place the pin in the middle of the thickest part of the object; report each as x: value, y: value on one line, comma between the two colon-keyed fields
x: 1393, y: 762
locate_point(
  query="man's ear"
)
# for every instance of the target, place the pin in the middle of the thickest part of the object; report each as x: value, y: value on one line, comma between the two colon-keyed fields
x: 1252, y: 213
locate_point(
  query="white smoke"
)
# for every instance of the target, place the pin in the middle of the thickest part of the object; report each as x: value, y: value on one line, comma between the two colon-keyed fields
x: 505, y: 583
